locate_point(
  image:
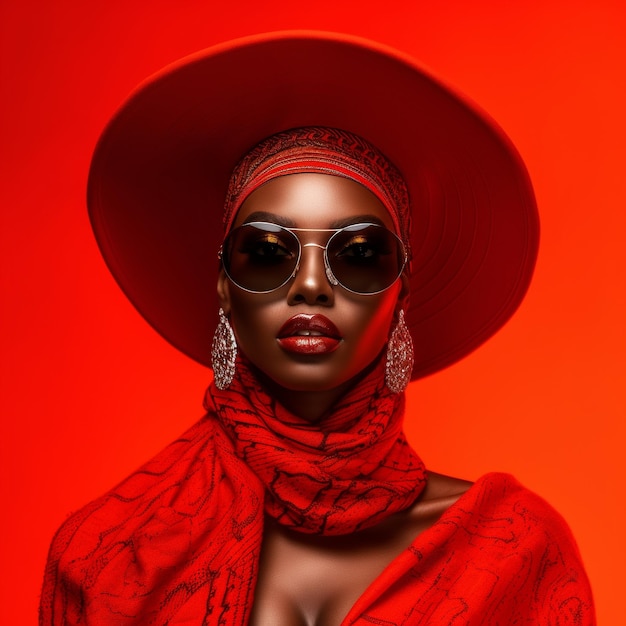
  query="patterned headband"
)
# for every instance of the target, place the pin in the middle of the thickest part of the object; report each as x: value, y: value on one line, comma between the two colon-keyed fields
x: 323, y: 150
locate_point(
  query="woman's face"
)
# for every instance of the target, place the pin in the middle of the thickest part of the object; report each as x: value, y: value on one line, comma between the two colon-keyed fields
x: 272, y: 328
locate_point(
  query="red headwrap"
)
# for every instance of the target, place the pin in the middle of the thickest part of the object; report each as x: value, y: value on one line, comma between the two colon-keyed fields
x: 327, y: 151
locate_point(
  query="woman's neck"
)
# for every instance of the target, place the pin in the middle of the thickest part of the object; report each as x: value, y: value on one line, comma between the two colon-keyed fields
x: 311, y: 406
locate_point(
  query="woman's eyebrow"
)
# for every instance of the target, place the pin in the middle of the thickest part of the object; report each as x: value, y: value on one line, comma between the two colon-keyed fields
x: 265, y: 216
x: 357, y: 219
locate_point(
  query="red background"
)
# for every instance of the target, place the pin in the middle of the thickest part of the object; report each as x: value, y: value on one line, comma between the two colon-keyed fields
x: 90, y: 391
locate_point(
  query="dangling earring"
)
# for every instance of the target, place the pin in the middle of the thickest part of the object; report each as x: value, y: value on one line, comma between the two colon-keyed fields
x: 223, y: 353
x: 399, y: 357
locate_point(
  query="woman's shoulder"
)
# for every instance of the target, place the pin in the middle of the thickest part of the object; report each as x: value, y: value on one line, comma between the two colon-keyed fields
x: 501, y: 520
x: 495, y: 498
x: 496, y: 494
x: 142, y: 524
x: 495, y: 490
x: 183, y: 465
x: 498, y: 529
x: 146, y: 501
x: 495, y: 515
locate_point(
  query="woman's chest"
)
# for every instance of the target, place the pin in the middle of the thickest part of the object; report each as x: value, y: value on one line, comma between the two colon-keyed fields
x: 315, y: 581
x: 309, y: 580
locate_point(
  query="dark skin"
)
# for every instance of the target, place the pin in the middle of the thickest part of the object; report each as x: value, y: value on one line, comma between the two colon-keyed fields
x: 309, y: 385
x: 307, y: 580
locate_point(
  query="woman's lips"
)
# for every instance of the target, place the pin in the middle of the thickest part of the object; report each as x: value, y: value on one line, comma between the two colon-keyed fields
x: 309, y: 334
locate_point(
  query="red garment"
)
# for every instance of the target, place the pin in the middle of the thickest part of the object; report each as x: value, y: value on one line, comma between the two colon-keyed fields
x: 326, y: 150
x: 500, y: 556
x: 178, y: 542
x: 347, y: 473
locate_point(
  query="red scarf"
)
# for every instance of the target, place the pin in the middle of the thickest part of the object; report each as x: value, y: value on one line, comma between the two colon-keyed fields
x: 178, y: 541
x: 347, y: 473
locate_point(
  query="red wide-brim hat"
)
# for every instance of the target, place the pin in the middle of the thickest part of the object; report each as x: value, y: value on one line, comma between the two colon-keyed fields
x: 160, y: 171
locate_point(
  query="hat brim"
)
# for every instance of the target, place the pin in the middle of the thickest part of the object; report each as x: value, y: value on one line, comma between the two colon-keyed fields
x: 160, y: 170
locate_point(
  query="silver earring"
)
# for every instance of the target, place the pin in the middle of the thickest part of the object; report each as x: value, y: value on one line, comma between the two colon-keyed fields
x: 399, y: 357
x: 223, y: 353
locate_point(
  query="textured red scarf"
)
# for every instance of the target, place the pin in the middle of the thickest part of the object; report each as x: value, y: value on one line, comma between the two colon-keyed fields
x: 347, y: 473
x: 178, y: 542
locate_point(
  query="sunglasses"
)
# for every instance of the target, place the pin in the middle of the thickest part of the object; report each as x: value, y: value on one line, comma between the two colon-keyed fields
x: 260, y: 257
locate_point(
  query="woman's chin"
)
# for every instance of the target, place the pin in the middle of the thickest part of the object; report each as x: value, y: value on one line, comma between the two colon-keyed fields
x: 305, y: 377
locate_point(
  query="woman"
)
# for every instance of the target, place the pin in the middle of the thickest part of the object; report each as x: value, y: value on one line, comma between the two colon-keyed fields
x: 376, y: 229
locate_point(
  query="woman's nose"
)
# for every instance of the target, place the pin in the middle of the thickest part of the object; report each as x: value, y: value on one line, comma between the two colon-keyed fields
x: 311, y: 283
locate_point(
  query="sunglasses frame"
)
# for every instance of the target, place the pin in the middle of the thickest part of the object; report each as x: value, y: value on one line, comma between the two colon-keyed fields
x: 332, y: 279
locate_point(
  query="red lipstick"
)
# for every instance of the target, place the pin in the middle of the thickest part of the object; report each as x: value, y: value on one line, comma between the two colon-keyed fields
x: 309, y: 334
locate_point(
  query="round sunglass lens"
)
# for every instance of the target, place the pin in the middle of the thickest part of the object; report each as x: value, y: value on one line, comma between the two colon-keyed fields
x: 365, y: 258
x: 260, y: 257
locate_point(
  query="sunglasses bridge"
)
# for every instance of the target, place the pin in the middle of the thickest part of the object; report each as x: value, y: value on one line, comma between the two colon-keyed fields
x: 328, y: 271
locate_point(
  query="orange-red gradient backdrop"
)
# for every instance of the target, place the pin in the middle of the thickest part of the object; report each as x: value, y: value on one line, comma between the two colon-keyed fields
x: 90, y: 391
